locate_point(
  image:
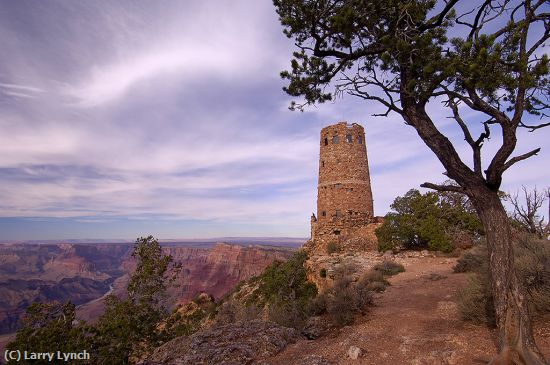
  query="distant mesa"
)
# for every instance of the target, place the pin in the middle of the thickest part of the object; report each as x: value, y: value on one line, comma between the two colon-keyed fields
x: 345, y: 210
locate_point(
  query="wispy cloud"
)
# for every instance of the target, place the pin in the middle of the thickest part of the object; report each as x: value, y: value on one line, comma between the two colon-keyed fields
x: 170, y: 116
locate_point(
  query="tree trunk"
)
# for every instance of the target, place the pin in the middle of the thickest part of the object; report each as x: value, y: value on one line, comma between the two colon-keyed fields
x: 516, y: 343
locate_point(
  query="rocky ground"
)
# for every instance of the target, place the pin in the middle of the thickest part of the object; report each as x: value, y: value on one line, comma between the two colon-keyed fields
x: 414, y: 322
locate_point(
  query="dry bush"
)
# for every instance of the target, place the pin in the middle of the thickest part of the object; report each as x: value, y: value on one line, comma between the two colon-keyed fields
x: 533, y: 268
x: 346, y: 299
x: 318, y: 305
x: 389, y: 268
x: 333, y: 247
x: 472, y: 260
x: 227, y: 313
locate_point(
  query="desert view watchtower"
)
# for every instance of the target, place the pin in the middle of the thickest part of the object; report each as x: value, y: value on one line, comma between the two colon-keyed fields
x: 344, y: 196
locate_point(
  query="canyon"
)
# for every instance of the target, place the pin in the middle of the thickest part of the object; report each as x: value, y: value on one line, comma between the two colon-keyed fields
x: 86, y: 272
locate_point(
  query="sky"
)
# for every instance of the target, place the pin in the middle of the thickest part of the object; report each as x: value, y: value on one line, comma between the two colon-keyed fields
x: 120, y: 119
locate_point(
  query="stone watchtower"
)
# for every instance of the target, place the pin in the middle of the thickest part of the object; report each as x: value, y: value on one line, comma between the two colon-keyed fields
x: 344, y: 196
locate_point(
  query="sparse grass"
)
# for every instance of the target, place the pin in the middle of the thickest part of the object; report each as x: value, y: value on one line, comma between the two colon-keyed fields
x: 532, y: 263
x: 475, y: 301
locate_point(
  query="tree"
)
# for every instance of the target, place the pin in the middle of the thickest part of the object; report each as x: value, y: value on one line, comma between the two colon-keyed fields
x: 129, y: 328
x: 434, y: 220
x: 397, y: 53
x: 526, y: 214
x: 51, y: 327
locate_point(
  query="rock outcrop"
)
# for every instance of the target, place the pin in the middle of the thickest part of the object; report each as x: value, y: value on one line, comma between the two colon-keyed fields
x: 239, y: 343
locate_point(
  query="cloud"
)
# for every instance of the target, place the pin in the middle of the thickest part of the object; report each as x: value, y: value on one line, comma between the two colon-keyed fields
x: 18, y: 91
x: 140, y: 115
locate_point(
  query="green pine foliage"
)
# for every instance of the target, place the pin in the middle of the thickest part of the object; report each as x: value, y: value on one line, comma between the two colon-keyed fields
x: 129, y: 328
x: 286, y: 282
x: 432, y: 220
x: 51, y: 327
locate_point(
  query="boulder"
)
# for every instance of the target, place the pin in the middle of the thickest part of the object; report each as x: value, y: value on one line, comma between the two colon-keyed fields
x: 316, y: 327
x: 354, y: 352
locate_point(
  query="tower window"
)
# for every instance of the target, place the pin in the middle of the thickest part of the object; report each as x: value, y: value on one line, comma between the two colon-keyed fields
x: 323, y: 213
x: 349, y: 138
x: 360, y: 140
x: 337, y: 232
x: 338, y: 213
x: 338, y: 186
x: 326, y: 141
x: 335, y: 139
x: 323, y: 163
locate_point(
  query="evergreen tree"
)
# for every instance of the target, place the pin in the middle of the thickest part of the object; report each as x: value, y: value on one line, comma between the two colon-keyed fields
x: 130, y: 328
x: 434, y: 220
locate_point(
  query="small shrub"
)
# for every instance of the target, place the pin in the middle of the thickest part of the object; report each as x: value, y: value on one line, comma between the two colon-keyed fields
x: 364, y: 295
x: 374, y: 276
x: 287, y: 315
x: 333, y: 247
x: 374, y: 280
x: 342, y: 305
x: 248, y: 313
x: 346, y: 269
x: 389, y: 268
x: 226, y: 313
x: 318, y: 305
x: 377, y: 286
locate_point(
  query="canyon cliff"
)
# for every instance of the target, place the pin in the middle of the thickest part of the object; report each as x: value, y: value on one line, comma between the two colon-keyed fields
x: 84, y: 273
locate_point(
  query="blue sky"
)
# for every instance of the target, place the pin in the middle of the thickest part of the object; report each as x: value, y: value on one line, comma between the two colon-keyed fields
x: 125, y: 118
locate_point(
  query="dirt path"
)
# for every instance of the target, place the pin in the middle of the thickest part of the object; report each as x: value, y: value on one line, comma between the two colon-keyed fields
x: 414, y: 322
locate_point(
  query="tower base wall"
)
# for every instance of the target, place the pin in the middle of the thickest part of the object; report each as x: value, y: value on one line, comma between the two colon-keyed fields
x: 349, y: 234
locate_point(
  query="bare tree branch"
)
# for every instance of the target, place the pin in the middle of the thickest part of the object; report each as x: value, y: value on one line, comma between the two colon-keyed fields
x: 526, y: 210
x: 516, y: 159
x: 457, y: 189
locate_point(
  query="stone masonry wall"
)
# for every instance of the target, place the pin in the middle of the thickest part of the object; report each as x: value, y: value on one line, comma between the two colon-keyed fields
x: 344, y: 196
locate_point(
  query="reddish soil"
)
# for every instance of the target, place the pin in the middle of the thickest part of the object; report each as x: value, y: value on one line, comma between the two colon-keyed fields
x: 415, y: 321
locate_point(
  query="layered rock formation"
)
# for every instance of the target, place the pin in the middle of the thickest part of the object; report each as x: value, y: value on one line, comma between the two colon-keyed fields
x: 41, y: 273
x: 216, y: 271
x: 83, y: 273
